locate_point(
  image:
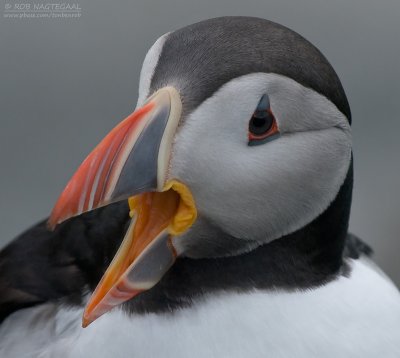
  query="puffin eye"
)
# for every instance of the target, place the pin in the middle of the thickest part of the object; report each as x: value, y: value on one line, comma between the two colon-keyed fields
x: 262, y: 125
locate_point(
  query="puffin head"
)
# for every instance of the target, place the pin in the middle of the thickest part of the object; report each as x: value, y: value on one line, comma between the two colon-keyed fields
x: 241, y: 136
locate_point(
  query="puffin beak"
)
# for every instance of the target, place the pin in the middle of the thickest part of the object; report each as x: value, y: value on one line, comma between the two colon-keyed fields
x: 131, y: 163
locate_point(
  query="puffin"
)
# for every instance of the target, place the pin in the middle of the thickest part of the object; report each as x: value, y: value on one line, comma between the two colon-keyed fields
x: 212, y: 221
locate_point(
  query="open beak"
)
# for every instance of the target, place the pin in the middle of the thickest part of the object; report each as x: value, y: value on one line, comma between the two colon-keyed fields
x: 131, y: 163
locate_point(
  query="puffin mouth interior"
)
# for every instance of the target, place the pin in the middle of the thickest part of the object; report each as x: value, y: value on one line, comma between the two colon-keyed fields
x: 156, y: 216
x: 172, y: 209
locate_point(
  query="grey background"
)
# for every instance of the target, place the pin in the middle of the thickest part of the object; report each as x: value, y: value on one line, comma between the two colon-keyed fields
x: 65, y: 82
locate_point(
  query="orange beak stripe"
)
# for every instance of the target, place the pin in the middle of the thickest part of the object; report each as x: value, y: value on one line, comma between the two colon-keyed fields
x: 93, y: 183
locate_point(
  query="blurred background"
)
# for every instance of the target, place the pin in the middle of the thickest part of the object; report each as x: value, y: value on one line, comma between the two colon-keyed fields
x: 65, y: 82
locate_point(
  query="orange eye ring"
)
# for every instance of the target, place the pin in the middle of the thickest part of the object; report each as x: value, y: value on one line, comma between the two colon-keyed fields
x: 271, y: 133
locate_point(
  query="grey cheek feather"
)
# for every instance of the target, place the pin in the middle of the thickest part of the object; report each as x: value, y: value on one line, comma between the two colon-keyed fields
x: 205, y: 239
x: 258, y: 194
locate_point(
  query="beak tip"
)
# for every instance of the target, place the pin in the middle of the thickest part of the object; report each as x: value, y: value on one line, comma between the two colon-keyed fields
x: 86, y: 320
x: 85, y: 323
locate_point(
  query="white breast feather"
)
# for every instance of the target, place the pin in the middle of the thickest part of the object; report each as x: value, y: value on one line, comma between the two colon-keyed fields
x: 350, y: 317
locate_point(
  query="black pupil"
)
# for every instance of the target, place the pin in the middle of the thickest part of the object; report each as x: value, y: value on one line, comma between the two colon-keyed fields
x: 260, y: 123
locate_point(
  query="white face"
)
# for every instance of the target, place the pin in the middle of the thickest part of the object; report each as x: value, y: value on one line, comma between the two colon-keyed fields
x: 262, y: 192
x: 257, y: 193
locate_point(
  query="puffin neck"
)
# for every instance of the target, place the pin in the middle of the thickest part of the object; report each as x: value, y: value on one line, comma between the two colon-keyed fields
x: 322, y: 241
x: 315, y: 252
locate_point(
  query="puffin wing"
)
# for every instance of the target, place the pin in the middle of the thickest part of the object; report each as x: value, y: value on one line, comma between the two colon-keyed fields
x: 42, y: 265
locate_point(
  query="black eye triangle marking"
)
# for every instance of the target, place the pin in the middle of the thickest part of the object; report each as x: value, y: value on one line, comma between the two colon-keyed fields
x: 262, y: 125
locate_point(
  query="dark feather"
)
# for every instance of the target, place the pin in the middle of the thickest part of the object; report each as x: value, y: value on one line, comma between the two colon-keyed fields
x: 244, y: 45
x: 41, y: 265
x: 355, y: 247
